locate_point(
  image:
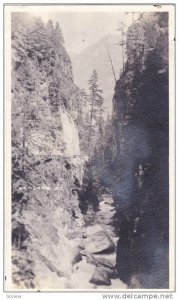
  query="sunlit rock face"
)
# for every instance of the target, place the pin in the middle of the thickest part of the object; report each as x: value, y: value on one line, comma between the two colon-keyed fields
x: 140, y: 119
x: 47, y: 164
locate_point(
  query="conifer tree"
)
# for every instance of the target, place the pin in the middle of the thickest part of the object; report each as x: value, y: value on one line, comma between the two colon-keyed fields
x: 96, y: 103
x: 58, y: 35
x: 50, y: 30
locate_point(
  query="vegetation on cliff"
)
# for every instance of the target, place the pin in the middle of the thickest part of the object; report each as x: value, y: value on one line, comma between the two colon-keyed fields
x: 47, y: 162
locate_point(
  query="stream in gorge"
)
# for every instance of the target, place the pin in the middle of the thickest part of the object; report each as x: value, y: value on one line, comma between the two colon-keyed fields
x: 97, y: 269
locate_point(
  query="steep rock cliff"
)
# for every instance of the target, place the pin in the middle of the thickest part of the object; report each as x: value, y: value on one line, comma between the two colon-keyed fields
x: 47, y: 163
x: 140, y: 166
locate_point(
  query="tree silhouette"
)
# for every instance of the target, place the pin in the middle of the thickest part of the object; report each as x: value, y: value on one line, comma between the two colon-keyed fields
x: 96, y: 103
x: 58, y: 35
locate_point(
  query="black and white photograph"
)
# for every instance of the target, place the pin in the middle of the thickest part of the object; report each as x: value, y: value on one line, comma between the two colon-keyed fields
x: 89, y: 147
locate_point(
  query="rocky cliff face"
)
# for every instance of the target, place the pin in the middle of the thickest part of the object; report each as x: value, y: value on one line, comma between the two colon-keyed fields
x: 140, y: 166
x: 47, y: 163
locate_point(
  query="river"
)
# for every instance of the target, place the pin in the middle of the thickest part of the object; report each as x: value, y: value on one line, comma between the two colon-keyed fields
x: 97, y: 270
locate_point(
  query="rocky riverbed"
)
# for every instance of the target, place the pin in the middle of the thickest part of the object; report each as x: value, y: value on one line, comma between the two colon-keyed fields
x: 95, y: 264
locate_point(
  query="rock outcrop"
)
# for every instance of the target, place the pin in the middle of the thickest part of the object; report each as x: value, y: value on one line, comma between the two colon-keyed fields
x: 140, y: 164
x: 99, y: 242
x: 47, y: 162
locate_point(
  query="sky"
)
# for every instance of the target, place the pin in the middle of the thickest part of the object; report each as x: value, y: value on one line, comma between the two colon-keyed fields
x: 82, y: 29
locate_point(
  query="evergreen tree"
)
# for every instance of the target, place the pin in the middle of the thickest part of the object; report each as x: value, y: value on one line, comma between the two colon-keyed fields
x: 37, y: 42
x: 50, y: 30
x: 58, y: 35
x: 49, y: 27
x: 96, y: 103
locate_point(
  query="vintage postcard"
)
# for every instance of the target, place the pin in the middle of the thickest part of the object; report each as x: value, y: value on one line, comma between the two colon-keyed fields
x: 89, y: 147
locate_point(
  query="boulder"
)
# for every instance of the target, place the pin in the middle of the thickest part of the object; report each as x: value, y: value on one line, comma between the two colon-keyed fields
x: 99, y: 242
x: 73, y: 234
x: 76, y: 258
x: 101, y: 261
x: 90, y: 230
x: 83, y: 253
x: 84, y: 236
x: 73, y: 251
x: 107, y: 266
x: 106, y: 217
x: 75, y: 255
x: 100, y: 277
x: 107, y: 198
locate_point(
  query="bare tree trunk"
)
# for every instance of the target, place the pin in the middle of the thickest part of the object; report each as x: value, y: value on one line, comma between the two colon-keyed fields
x: 90, y: 128
x: 111, y: 64
x: 23, y: 140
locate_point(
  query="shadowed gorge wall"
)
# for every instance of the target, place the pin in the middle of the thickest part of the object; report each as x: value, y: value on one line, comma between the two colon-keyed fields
x: 140, y: 120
